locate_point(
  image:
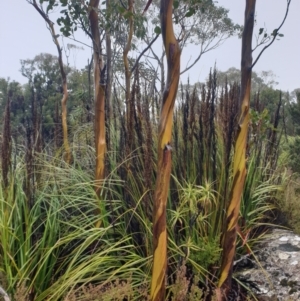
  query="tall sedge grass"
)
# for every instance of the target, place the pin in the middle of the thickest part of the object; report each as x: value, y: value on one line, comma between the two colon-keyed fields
x: 53, y: 247
x: 49, y: 246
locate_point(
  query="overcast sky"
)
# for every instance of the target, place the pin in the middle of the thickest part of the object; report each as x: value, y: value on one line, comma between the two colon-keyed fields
x: 23, y: 35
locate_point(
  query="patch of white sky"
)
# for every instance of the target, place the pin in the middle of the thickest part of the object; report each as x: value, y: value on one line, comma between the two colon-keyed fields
x: 23, y: 35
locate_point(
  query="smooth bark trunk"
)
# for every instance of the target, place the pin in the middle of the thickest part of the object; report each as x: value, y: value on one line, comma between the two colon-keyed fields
x: 239, y: 161
x: 99, y: 95
x: 64, y: 81
x: 164, y: 153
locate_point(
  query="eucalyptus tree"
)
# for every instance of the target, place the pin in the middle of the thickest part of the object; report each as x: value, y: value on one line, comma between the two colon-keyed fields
x: 99, y: 90
x: 239, y: 160
x: 86, y: 15
x: 173, y: 52
x: 50, y: 24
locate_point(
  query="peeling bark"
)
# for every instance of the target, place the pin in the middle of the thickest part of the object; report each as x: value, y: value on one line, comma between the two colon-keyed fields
x: 99, y: 92
x: 239, y: 161
x: 164, y: 153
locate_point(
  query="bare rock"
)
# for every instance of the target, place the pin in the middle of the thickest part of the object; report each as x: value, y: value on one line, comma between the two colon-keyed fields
x: 277, y: 274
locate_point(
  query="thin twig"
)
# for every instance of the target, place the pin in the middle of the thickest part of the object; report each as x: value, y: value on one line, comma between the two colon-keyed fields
x: 276, y: 31
x: 142, y: 53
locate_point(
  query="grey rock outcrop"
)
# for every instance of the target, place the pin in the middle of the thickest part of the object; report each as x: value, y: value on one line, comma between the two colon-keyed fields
x: 275, y: 275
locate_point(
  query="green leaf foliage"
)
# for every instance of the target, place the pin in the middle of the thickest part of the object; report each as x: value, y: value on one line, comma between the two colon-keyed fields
x: 157, y: 30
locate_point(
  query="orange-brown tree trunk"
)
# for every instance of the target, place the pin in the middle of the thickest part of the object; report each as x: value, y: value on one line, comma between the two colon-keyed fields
x: 164, y: 153
x: 99, y: 89
x: 239, y: 161
x: 64, y: 81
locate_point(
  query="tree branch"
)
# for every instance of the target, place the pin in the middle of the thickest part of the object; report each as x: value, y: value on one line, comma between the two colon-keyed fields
x: 203, y: 51
x: 142, y: 53
x: 275, y: 34
x: 79, y: 42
